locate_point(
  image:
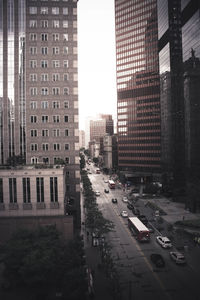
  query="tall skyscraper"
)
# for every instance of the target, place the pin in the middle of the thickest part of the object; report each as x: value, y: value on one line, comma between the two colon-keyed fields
x: 138, y: 88
x: 39, y: 84
x: 179, y: 50
x: 100, y: 127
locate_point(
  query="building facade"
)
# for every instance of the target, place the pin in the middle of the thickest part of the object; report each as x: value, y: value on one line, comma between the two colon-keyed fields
x: 100, y: 127
x: 39, y: 85
x: 138, y: 87
x: 81, y: 139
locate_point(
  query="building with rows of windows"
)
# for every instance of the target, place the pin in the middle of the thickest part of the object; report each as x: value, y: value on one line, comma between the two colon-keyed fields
x: 39, y: 86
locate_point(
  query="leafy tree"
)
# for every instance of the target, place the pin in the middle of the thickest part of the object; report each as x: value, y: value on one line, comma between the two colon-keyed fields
x: 82, y: 161
x: 16, y: 160
x: 41, y: 262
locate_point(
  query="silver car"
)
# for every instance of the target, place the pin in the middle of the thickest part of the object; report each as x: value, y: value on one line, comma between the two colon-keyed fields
x: 164, y: 241
x: 178, y: 257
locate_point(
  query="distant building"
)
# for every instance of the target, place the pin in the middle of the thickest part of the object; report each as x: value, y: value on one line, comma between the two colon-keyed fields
x: 81, y: 139
x: 94, y: 148
x: 100, y: 127
x: 107, y: 152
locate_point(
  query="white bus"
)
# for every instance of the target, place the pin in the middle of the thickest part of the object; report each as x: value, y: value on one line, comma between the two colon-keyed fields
x: 138, y: 229
x: 111, y: 184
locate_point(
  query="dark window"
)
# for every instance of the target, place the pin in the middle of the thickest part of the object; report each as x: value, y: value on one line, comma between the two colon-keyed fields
x: 53, y: 189
x: 13, y: 190
x: 1, y: 190
x: 26, y: 190
x: 40, y: 189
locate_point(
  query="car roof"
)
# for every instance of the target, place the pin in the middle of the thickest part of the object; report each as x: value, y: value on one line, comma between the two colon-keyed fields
x: 178, y: 254
x: 164, y: 238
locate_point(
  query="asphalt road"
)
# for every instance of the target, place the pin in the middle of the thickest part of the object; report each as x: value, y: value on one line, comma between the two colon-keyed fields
x: 139, y: 278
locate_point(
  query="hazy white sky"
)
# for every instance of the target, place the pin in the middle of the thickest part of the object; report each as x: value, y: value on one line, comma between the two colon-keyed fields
x: 96, y: 59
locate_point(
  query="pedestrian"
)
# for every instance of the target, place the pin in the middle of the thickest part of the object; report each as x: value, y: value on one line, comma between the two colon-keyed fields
x: 183, y: 218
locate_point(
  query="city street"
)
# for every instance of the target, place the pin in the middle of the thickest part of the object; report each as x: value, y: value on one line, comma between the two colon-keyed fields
x: 139, y: 278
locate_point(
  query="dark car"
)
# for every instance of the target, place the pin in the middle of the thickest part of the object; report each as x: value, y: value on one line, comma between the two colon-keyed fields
x: 130, y: 206
x: 136, y: 211
x: 158, y: 260
x: 143, y: 219
x: 106, y: 190
x: 151, y: 228
x: 114, y: 200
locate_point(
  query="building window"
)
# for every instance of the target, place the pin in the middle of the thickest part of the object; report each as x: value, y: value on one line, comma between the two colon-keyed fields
x: 44, y: 50
x: 55, y: 37
x: 55, y: 24
x: 44, y: 64
x: 56, y: 104
x: 44, y: 91
x: 45, y: 119
x: 66, y: 91
x: 1, y: 190
x: 45, y: 132
x: 66, y: 77
x: 55, y: 50
x: 44, y: 23
x: 55, y: 63
x: 55, y: 77
x: 66, y: 119
x: 33, y: 77
x: 44, y: 10
x: 33, y: 105
x: 44, y: 77
x: 54, y: 189
x: 13, y: 190
x: 33, y: 91
x: 56, y: 119
x: 33, y: 10
x: 56, y: 132
x: 66, y: 104
x: 33, y: 119
x: 26, y: 190
x: 34, y: 147
x: 65, y: 63
x: 44, y: 104
x: 45, y: 160
x: 33, y: 50
x: 56, y: 147
x: 66, y: 147
x: 44, y: 37
x: 33, y: 64
x: 33, y: 37
x: 34, y: 160
x: 56, y: 91
x: 65, y: 50
x: 45, y: 147
x: 66, y: 132
x: 65, y: 24
x: 40, y: 189
x: 55, y: 10
x: 65, y: 10
x: 33, y: 23
x: 33, y: 132
x: 65, y: 37
x: 67, y: 160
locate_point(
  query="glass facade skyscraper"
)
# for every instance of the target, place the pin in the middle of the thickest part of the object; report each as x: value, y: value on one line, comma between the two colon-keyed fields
x: 138, y: 86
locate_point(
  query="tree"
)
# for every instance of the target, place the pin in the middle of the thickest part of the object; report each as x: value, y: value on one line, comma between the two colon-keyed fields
x: 40, y: 261
x: 16, y: 160
x: 82, y: 161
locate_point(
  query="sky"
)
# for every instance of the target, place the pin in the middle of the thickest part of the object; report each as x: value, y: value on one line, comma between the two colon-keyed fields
x: 96, y: 59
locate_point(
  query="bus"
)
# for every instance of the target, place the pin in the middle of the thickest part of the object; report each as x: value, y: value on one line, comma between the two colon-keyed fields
x: 98, y: 171
x: 138, y: 229
x: 111, y: 184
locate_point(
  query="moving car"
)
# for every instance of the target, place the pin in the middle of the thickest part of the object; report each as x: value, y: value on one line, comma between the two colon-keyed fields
x: 136, y: 211
x: 124, y: 214
x: 125, y: 199
x: 163, y: 241
x: 97, y: 193
x: 114, y: 200
x: 106, y: 181
x: 143, y: 219
x: 158, y: 260
x: 178, y: 257
x: 151, y: 228
x: 106, y: 190
x: 130, y: 206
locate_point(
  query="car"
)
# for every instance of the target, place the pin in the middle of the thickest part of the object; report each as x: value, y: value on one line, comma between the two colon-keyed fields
x: 151, y: 228
x: 124, y: 214
x: 114, y: 200
x: 106, y: 181
x: 143, y: 219
x: 136, y: 211
x: 89, y: 172
x: 130, y: 206
x: 158, y: 260
x: 97, y: 193
x: 178, y: 257
x: 125, y: 199
x: 106, y: 190
x: 164, y: 241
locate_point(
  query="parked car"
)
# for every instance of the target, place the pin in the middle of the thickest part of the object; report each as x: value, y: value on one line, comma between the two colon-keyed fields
x: 130, y: 206
x: 143, y: 219
x: 178, y: 257
x: 136, y: 211
x: 158, y: 260
x: 106, y: 181
x: 164, y: 241
x: 106, y: 190
x: 114, y: 200
x: 97, y: 193
x: 124, y: 214
x: 125, y: 199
